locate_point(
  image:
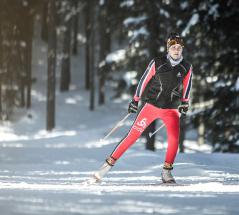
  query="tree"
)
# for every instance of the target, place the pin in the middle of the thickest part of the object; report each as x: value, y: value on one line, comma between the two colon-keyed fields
x: 1, y: 60
x: 44, y: 28
x: 216, y: 63
x: 87, y: 44
x: 16, y: 50
x: 92, y: 69
x: 51, y: 64
x: 75, y: 26
x: 28, y: 35
x: 104, y: 43
x: 66, y: 8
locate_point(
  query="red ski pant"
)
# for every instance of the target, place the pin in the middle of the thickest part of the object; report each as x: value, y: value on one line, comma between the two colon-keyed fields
x: 146, y: 116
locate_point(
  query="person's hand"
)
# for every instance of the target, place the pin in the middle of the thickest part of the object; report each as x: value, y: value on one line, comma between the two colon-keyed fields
x: 183, y: 108
x: 133, y: 107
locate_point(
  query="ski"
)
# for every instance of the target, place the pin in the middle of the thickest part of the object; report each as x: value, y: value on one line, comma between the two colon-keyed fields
x: 171, y: 184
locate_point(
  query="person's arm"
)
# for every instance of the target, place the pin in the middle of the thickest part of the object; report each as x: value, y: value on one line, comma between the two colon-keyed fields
x: 187, y: 84
x: 148, y: 74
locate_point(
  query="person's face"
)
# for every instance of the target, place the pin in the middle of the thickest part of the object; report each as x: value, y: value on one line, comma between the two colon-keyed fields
x: 175, y: 51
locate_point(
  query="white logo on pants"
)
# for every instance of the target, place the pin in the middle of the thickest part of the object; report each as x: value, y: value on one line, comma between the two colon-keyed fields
x: 141, y: 125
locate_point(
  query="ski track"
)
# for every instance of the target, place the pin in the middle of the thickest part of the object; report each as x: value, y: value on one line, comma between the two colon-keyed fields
x: 211, y: 187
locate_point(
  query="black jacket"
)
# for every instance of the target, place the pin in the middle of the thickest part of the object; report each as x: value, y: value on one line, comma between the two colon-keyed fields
x: 163, y: 85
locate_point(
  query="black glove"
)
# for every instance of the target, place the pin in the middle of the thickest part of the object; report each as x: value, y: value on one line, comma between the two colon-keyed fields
x: 133, y: 107
x: 183, y: 108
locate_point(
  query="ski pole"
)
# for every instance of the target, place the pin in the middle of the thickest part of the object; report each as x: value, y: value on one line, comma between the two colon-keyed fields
x: 151, y: 134
x: 116, y: 127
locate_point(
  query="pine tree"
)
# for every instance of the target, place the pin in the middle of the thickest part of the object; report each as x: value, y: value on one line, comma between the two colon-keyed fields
x: 215, y: 65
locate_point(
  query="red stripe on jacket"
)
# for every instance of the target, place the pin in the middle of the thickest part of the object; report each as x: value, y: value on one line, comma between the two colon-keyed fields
x: 187, y: 83
x: 148, y: 74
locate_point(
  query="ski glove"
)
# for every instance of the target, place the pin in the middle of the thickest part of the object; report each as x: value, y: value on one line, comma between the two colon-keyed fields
x: 183, y: 108
x: 133, y: 107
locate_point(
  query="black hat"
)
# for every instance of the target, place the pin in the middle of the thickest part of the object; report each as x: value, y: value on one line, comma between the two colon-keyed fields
x: 174, y: 38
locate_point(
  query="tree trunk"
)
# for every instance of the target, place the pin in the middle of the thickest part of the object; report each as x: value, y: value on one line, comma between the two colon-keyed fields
x: 51, y: 64
x: 102, y: 87
x: 201, y: 132
x: 75, y: 24
x: 44, y: 28
x: 92, y: 54
x: 105, y: 43
x: 0, y: 97
x: 22, y: 92
x: 201, y: 127
x: 29, y: 61
x: 66, y: 63
x: 102, y: 56
x: 87, y: 48
x: 1, y: 58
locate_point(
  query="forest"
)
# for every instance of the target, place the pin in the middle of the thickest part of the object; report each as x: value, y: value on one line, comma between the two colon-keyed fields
x: 139, y: 28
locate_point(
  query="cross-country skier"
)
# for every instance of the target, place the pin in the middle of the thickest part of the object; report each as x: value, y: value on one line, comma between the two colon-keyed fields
x: 164, y: 88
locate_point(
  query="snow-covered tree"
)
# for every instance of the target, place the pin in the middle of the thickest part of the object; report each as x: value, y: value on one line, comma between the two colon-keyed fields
x: 214, y: 47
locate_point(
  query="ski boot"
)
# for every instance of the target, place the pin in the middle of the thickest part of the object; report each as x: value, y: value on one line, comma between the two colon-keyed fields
x: 106, y: 167
x: 166, y: 174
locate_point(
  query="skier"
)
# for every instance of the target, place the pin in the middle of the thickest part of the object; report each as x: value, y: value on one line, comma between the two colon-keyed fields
x: 164, y: 89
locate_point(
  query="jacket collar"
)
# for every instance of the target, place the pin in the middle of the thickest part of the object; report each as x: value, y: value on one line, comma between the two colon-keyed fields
x: 174, y: 62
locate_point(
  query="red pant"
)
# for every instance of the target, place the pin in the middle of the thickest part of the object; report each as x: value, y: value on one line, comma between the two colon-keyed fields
x: 148, y: 114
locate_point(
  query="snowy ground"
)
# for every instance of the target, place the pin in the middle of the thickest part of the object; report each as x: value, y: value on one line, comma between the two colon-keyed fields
x: 41, y: 173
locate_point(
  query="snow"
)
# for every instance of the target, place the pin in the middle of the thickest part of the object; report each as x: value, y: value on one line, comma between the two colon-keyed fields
x: 42, y: 172
x: 140, y: 31
x: 130, y: 78
x: 164, y: 13
x: 211, y: 79
x: 127, y: 3
x: 214, y: 11
x: 184, y: 5
x: 134, y: 20
x: 237, y: 84
x: 193, y: 21
x: 116, y: 56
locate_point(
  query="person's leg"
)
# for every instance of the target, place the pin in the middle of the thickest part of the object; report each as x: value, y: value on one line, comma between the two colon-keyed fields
x: 171, y: 120
x: 144, y: 118
x: 146, y: 115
